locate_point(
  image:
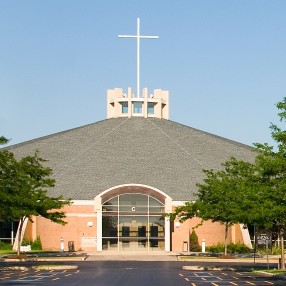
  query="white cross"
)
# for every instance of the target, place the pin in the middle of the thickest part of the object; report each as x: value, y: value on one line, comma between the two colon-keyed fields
x: 138, y: 37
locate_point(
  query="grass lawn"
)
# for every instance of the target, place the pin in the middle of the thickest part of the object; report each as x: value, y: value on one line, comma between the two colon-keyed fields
x: 9, y: 251
x: 275, y: 271
x: 6, y: 251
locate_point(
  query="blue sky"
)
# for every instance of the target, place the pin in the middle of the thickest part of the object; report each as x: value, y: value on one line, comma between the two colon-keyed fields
x: 223, y: 61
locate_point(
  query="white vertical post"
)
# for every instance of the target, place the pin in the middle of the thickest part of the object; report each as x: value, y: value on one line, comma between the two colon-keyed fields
x: 168, y: 209
x: 138, y: 37
x: 12, y: 233
x: 98, y: 210
x: 99, y: 230
x: 167, y: 234
x: 138, y: 57
x: 203, y: 246
x: 62, y: 245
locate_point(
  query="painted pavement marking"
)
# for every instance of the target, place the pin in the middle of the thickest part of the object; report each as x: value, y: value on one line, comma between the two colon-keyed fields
x: 32, y: 276
x: 208, y: 278
x: 234, y: 277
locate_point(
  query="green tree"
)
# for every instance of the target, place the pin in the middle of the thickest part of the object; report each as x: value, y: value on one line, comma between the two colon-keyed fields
x: 219, y: 197
x: 3, y: 140
x: 269, y: 183
x: 250, y: 193
x: 23, y: 189
x: 194, y: 242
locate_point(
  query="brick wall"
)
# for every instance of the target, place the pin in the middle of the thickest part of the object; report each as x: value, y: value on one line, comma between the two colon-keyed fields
x: 78, y: 229
x: 211, y: 232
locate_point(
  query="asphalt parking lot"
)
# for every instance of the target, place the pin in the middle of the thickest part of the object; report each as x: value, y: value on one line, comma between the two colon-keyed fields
x: 138, y: 273
x: 34, y: 277
x: 218, y: 278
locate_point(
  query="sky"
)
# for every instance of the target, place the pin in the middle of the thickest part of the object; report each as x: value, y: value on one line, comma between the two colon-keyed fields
x: 223, y: 62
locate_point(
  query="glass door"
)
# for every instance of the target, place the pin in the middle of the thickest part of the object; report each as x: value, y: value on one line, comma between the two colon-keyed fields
x: 133, y: 222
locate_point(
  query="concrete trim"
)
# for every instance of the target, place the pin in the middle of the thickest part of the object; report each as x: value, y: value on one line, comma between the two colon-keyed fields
x: 134, y: 185
x: 98, y: 209
x: 82, y: 202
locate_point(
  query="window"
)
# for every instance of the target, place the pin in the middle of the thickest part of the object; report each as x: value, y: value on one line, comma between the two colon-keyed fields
x: 124, y: 107
x: 133, y: 222
x: 137, y: 107
x: 151, y: 108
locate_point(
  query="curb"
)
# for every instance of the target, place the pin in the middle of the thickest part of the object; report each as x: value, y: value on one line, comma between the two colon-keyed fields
x: 207, y: 268
x: 45, y: 259
x: 55, y: 267
x: 215, y: 259
x: 280, y: 276
x: 265, y: 273
x: 41, y: 267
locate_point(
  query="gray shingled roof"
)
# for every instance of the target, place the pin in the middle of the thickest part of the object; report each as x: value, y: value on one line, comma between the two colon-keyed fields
x: 155, y: 152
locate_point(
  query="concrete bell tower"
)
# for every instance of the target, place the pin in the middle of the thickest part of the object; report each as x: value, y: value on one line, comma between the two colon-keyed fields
x: 120, y: 104
x: 146, y: 105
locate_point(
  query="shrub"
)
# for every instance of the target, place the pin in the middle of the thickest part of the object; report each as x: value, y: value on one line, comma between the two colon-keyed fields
x: 194, y: 242
x: 216, y: 248
x: 5, y: 245
x: 235, y: 248
x: 26, y: 242
x: 261, y: 249
x: 37, y: 244
x: 238, y: 248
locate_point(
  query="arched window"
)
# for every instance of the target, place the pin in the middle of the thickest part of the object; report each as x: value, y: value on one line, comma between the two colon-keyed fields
x: 133, y: 222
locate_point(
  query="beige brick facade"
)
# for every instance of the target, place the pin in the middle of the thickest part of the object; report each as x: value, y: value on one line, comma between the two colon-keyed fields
x: 81, y: 229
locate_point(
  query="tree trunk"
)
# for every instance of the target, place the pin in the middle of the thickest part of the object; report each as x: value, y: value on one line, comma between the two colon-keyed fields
x: 225, y: 239
x: 281, y: 236
x: 21, y: 222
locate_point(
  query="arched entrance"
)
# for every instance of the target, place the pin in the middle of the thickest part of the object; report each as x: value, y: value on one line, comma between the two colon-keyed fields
x: 129, y: 218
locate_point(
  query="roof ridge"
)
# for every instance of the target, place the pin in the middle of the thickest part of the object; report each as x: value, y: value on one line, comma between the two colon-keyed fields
x: 78, y: 155
x: 51, y: 135
x: 214, y: 135
x: 177, y: 144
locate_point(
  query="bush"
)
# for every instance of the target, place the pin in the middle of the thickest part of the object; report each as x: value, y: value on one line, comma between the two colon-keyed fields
x: 261, y: 249
x: 26, y: 242
x: 235, y: 248
x: 216, y: 248
x: 194, y: 242
x: 5, y: 245
x: 37, y: 244
x: 238, y: 248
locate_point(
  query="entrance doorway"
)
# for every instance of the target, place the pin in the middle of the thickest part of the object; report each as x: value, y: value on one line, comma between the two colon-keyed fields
x: 133, y: 222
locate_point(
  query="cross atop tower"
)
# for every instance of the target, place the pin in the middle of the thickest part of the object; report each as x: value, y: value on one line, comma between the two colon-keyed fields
x: 138, y: 37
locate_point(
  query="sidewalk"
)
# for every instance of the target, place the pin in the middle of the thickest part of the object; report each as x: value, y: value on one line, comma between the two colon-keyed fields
x: 173, y: 256
x: 137, y: 255
x: 140, y: 256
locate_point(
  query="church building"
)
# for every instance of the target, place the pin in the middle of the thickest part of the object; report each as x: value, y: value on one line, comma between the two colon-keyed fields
x: 124, y: 172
